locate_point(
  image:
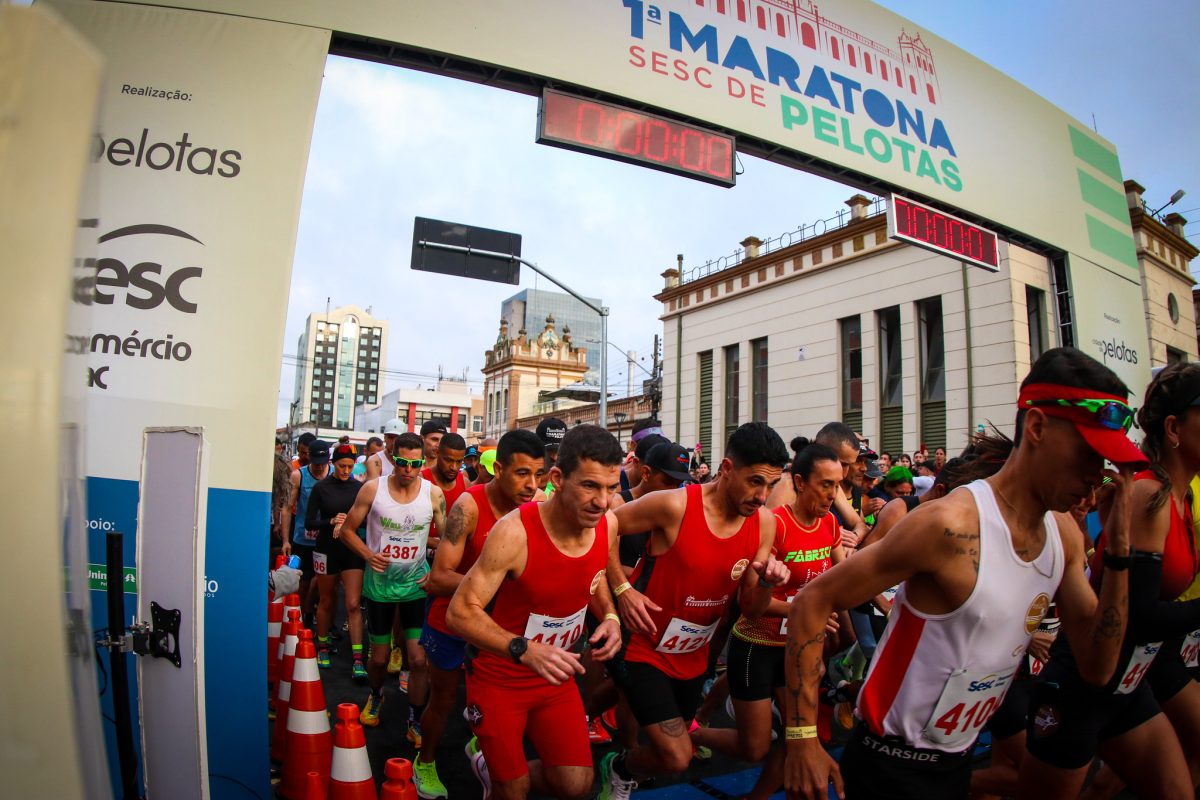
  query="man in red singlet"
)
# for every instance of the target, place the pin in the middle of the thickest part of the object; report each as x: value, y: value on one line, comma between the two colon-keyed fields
x: 979, y: 569
x: 705, y: 542
x: 539, y: 572
x: 445, y: 472
x: 519, y: 457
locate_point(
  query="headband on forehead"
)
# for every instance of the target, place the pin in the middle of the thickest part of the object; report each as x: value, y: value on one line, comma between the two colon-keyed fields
x: 644, y: 432
x: 1054, y: 391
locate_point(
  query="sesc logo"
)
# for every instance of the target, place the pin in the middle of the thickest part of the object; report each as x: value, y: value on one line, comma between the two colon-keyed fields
x: 147, y: 284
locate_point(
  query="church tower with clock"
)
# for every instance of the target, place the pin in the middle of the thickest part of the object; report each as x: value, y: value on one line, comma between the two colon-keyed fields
x: 519, y: 370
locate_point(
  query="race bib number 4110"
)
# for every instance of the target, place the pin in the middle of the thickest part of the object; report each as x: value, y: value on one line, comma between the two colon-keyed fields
x: 561, y: 632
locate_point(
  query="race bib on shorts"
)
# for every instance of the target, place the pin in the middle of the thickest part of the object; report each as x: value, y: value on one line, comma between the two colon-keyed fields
x: 968, y: 701
x: 1191, y: 649
x: 1135, y: 670
x: 561, y: 632
x: 403, y: 548
x: 682, y: 636
x: 783, y: 622
x: 320, y: 563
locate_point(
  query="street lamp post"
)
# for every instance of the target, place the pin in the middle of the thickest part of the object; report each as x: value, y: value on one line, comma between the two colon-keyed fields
x: 620, y: 418
x: 601, y: 310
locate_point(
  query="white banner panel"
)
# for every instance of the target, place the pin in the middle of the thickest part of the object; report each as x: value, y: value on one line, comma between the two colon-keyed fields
x: 204, y: 135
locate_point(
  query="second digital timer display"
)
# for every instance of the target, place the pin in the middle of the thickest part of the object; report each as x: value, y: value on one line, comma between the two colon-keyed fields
x: 590, y: 126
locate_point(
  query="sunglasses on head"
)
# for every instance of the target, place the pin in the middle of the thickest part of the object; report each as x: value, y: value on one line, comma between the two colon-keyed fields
x: 411, y: 463
x: 1112, y: 414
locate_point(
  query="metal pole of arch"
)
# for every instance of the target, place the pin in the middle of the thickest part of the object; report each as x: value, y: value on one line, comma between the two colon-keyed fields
x: 601, y: 310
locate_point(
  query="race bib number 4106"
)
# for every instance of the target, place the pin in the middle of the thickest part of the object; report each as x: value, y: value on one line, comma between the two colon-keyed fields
x: 968, y: 701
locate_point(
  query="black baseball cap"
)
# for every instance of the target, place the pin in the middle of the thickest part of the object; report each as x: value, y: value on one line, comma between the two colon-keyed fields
x: 864, y: 451
x: 433, y: 426
x: 645, y: 444
x: 318, y: 452
x: 551, y: 431
x: 669, y: 459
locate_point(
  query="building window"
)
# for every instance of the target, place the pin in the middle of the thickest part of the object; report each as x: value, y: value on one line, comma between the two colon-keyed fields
x: 836, y: 50
x: 852, y: 371
x: 476, y: 424
x: 1062, y: 301
x: 1035, y: 316
x: 891, y: 397
x: 504, y: 419
x: 807, y: 37
x: 850, y: 55
x: 733, y: 356
x: 1175, y: 356
x: 933, y: 372
x: 462, y: 422
x: 762, y: 18
x: 758, y: 379
x: 780, y: 27
x: 705, y: 404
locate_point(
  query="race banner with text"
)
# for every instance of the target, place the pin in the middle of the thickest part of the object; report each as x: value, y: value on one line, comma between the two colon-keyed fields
x: 201, y: 153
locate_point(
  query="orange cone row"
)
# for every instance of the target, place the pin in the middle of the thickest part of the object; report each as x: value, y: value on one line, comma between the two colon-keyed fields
x: 309, y: 744
x: 283, y: 689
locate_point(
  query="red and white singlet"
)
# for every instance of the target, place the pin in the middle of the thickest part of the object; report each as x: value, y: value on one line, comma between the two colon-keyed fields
x: 692, y: 583
x: 547, y: 603
x: 436, y: 616
x: 936, y: 679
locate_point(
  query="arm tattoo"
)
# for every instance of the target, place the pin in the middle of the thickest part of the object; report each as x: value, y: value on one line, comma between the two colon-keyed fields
x: 456, y: 525
x: 674, y: 727
x: 1109, y: 626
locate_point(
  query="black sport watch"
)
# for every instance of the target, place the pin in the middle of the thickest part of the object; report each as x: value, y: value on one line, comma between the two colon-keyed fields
x: 517, y: 647
x: 1115, y: 562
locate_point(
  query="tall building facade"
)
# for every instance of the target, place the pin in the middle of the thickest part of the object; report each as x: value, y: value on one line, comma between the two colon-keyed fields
x: 527, y: 310
x: 341, y: 353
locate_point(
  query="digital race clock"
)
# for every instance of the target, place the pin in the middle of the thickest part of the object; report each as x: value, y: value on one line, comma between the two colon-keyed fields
x: 589, y: 126
x: 950, y: 236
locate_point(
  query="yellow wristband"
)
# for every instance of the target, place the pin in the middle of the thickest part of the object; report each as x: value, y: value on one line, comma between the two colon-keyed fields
x: 613, y: 617
x: 620, y: 590
x: 803, y: 732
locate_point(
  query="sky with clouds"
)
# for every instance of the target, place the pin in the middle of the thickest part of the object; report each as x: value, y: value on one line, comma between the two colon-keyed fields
x: 392, y: 144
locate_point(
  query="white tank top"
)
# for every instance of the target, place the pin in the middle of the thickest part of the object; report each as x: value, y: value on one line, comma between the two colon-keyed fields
x: 386, y: 464
x: 937, y: 678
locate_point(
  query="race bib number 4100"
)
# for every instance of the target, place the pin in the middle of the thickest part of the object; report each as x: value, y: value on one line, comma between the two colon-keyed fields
x: 561, y: 632
x: 967, y: 703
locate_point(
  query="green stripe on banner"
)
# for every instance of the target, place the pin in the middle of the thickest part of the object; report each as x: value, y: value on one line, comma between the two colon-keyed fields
x: 1089, y: 151
x: 1111, y: 242
x: 1102, y: 196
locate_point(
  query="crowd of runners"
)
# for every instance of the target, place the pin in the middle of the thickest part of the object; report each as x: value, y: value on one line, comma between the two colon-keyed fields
x: 1043, y: 588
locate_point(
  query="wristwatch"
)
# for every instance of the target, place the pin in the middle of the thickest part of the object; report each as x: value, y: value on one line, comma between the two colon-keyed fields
x: 517, y: 647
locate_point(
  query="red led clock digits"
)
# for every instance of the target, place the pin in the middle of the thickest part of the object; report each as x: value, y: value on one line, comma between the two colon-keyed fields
x: 942, y: 232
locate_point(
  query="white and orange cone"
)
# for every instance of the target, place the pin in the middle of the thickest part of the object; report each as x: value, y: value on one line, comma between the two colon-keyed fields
x: 283, y: 689
x: 309, y: 741
x: 350, y: 778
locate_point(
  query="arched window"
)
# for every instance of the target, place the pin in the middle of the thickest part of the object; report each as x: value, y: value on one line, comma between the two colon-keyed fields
x: 762, y: 18
x: 929, y: 91
x: 807, y: 37
x: 833, y: 48
x: 741, y: 10
x: 780, y: 28
x: 899, y: 80
x: 912, y: 84
x: 883, y: 69
x: 720, y: 6
x: 867, y: 62
x: 850, y: 55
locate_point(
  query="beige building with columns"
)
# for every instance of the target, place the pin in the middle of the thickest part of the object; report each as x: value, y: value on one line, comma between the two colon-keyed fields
x: 836, y: 321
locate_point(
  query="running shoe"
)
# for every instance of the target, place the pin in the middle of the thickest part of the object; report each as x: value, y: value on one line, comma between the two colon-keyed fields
x: 323, y: 658
x: 403, y: 682
x: 396, y: 660
x: 425, y: 778
x: 479, y: 766
x: 370, y: 713
x: 357, y: 671
x: 610, y: 718
x: 700, y: 752
x: 597, y: 734
x: 612, y: 785
x: 414, y: 733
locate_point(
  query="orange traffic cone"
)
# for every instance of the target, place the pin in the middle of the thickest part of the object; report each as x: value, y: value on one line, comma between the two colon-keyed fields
x: 351, y: 777
x: 315, y: 788
x: 309, y: 743
x: 274, y: 630
x: 398, y: 784
x: 283, y: 689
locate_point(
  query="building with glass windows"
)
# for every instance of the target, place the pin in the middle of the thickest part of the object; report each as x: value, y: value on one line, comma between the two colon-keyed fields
x: 527, y: 311
x: 837, y: 321
x: 340, y: 355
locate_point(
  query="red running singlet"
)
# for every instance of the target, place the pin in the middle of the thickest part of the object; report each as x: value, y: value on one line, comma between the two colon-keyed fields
x: 692, y: 583
x: 460, y: 486
x: 436, y: 616
x: 547, y: 603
